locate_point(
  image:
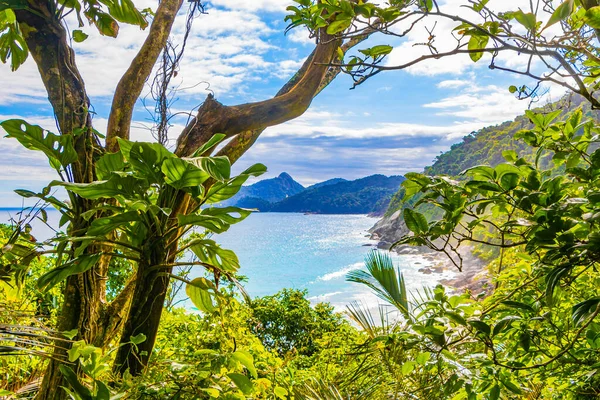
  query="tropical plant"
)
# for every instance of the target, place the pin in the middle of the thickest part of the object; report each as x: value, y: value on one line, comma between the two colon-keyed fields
x: 562, y: 36
x: 540, y: 323
x: 81, y: 157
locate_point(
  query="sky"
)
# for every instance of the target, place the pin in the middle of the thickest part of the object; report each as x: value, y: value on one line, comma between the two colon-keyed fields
x: 394, y: 123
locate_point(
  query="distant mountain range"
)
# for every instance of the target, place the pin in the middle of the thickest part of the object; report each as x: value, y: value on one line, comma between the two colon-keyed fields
x: 369, y: 195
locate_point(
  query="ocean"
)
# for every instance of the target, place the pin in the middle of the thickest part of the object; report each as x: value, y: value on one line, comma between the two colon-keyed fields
x: 309, y: 252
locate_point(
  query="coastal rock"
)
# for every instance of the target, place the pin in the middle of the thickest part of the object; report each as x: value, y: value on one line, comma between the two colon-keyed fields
x: 384, y: 245
x: 389, y: 230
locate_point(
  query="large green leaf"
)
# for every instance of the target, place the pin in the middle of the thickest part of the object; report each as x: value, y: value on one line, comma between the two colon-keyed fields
x: 561, y: 13
x: 384, y: 279
x: 246, y: 359
x: 242, y: 382
x: 109, y: 163
x: 71, y: 377
x: 212, y: 142
x: 58, y: 274
x: 126, y: 186
x: 146, y: 158
x: 209, y: 252
x: 477, y: 42
x: 225, y: 190
x: 58, y: 149
x: 12, y: 42
x: 125, y: 11
x: 415, y: 221
x: 215, y: 219
x: 182, y: 174
x: 105, y: 225
x: 198, y: 292
x: 217, y: 167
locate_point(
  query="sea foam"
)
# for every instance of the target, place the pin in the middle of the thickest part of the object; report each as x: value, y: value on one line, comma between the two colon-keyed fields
x: 341, y: 272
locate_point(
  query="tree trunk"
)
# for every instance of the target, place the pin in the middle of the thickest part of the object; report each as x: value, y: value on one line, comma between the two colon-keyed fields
x: 145, y: 311
x: 84, y: 294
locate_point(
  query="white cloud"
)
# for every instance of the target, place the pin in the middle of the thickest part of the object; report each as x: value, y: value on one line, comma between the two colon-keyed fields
x: 226, y: 49
x: 254, y: 5
x: 452, y: 83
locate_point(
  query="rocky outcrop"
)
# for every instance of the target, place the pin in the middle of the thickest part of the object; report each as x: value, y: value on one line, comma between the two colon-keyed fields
x: 389, y: 230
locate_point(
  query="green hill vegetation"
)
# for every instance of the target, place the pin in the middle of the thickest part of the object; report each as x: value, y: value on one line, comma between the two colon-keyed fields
x: 485, y: 147
x: 361, y: 196
x: 369, y: 195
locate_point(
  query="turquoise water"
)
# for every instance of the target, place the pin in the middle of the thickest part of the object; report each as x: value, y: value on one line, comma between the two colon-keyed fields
x: 289, y: 250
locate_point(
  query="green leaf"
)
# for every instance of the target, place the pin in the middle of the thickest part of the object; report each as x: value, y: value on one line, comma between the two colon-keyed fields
x: 73, y: 267
x: 246, y: 359
x: 408, y: 367
x: 105, y: 225
x: 126, y: 186
x: 137, y: 339
x: 481, y: 326
x: 77, y: 386
x: 526, y: 19
x: 212, y: 142
x: 592, y: 17
x: 510, y: 155
x: 494, y: 393
x: 504, y: 323
x: 182, y: 174
x: 415, y: 221
x: 217, y: 167
x: 55, y: 147
x: 211, y: 253
x: 477, y: 42
x: 422, y: 358
x: 103, y: 392
x: 581, y: 311
x: 13, y: 5
x: 525, y: 340
x: 224, y: 190
x: 79, y: 36
x: 215, y: 219
x: 459, y: 319
x: 106, y: 25
x: 509, y: 181
x: 242, y: 382
x: 197, y: 291
x: 12, y: 42
x: 280, y: 392
x: 561, y: 13
x: 146, y: 158
x: 109, y: 163
x: 338, y: 26
x: 70, y: 334
x: 377, y: 51
x: 125, y: 11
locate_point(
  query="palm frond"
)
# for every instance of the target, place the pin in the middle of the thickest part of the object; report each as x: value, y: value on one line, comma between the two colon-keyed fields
x: 317, y: 389
x: 385, y: 280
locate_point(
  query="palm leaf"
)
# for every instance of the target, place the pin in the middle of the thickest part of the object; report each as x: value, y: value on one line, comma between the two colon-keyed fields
x: 385, y: 280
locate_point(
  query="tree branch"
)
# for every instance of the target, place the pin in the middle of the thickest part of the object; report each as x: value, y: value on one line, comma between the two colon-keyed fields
x: 131, y: 84
x: 214, y: 117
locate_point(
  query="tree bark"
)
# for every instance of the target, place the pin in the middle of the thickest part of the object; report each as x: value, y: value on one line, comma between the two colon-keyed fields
x: 83, y: 294
x: 131, y: 84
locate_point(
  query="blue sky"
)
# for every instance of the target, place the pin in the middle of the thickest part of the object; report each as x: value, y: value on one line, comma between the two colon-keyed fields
x: 394, y: 123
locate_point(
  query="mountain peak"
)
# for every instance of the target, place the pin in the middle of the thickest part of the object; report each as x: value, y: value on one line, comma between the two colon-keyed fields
x: 286, y: 176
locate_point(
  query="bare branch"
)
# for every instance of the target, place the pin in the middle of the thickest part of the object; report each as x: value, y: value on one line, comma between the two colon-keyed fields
x: 131, y: 84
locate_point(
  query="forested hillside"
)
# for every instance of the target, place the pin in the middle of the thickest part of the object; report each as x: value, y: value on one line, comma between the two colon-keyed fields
x: 362, y: 196
x: 267, y: 190
x: 485, y: 146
